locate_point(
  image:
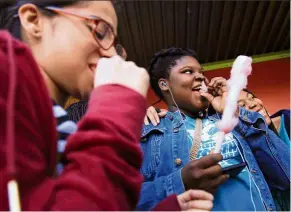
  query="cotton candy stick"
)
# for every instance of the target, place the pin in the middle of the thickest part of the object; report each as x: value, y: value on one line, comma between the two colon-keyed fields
x: 241, y: 69
x: 13, y: 196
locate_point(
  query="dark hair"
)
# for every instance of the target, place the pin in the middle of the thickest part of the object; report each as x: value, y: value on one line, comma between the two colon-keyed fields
x: 119, y: 49
x: 8, y: 10
x: 246, y: 90
x: 162, y: 62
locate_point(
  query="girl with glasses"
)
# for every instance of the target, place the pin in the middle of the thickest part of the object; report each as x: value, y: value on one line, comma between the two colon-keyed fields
x: 69, y: 50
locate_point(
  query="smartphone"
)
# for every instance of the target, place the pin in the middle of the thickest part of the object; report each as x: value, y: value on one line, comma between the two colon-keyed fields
x: 234, y: 170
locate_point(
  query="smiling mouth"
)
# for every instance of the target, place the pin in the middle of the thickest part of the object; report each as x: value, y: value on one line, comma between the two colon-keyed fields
x: 262, y: 112
x: 197, y: 88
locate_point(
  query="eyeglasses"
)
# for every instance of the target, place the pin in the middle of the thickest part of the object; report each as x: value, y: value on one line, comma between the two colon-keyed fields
x: 102, y: 32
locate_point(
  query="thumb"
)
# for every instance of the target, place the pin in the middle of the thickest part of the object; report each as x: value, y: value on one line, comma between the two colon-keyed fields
x: 207, y: 96
x: 162, y: 114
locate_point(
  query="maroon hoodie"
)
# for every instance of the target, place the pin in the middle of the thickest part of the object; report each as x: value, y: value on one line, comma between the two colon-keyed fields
x: 103, y: 157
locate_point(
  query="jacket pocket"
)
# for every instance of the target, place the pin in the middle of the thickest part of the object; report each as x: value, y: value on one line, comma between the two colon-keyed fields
x: 151, y: 147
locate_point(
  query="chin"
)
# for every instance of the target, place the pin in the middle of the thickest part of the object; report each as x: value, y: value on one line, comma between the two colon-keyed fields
x: 203, y: 104
x: 204, y: 107
x: 200, y: 106
x: 87, y: 92
x: 85, y: 96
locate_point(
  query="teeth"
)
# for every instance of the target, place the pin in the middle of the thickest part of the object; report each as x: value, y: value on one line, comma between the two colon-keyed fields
x: 262, y: 112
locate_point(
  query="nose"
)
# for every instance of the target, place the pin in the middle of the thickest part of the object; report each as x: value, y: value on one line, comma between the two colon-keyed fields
x: 108, y: 53
x: 199, y: 77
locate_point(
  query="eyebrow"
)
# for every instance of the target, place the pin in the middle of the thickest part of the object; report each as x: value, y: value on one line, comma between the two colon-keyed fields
x: 195, y: 67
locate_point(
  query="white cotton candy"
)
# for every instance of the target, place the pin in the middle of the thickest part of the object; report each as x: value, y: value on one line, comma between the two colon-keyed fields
x: 241, y: 69
x: 204, y: 88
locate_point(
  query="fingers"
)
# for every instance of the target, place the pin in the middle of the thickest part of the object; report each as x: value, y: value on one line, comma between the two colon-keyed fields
x: 213, y: 171
x: 218, y: 86
x: 219, y: 180
x: 206, y: 81
x: 207, y: 96
x: 156, y: 116
x: 163, y: 113
x: 195, y: 200
x: 217, y: 81
x: 195, y: 195
x: 115, y: 70
x: 199, y: 205
x: 152, y: 118
x: 209, y: 160
x: 200, y: 195
x: 146, y: 120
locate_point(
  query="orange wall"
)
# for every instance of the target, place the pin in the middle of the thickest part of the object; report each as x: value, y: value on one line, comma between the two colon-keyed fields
x: 270, y: 81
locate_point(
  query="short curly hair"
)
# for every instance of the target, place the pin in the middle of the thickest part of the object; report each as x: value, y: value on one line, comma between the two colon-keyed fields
x: 162, y: 62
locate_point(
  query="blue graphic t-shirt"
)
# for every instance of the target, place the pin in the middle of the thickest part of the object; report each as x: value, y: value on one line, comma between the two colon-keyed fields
x: 241, y: 187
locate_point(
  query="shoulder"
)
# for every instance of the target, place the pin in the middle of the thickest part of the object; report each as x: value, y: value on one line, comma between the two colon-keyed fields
x: 160, y: 128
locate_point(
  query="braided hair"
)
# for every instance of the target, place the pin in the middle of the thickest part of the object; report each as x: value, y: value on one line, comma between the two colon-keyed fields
x: 162, y: 63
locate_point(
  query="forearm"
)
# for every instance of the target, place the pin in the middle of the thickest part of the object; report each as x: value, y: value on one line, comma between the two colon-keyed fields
x: 102, y: 159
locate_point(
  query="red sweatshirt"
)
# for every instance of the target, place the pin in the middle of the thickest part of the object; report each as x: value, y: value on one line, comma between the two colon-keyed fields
x: 102, y: 159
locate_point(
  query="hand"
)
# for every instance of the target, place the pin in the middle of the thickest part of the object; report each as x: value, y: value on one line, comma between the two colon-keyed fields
x: 115, y: 70
x: 154, y: 116
x: 195, y: 200
x: 204, y: 173
x: 217, y: 93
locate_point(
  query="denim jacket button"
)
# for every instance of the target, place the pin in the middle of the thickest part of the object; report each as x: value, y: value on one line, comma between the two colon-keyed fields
x: 178, y: 162
x: 143, y: 140
x: 176, y: 130
x: 254, y: 171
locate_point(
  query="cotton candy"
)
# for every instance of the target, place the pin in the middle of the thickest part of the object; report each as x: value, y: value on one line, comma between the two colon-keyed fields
x: 241, y: 69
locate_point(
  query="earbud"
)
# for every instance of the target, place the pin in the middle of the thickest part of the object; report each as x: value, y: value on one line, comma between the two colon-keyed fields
x: 164, y: 84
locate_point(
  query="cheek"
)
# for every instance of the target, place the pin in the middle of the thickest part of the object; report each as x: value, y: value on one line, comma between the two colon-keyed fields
x: 67, y: 64
x: 74, y: 41
x: 73, y: 50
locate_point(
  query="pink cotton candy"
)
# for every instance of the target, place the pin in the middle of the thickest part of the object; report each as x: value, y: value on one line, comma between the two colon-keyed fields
x: 241, y: 69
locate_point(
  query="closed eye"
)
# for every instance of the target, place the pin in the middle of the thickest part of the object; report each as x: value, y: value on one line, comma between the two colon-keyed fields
x: 97, y: 35
x: 241, y: 104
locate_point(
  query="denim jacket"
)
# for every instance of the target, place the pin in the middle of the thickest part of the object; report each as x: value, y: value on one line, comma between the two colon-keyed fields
x: 267, y: 157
